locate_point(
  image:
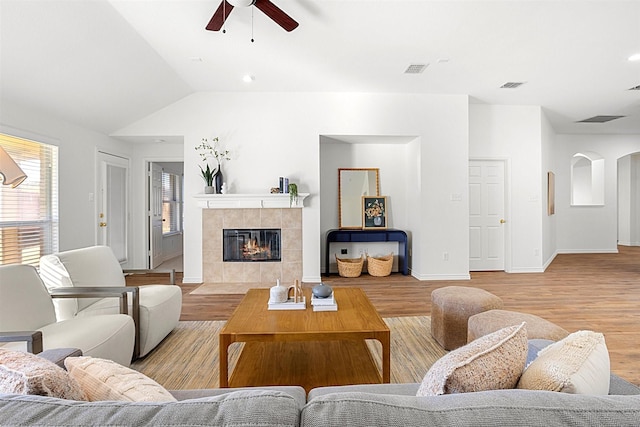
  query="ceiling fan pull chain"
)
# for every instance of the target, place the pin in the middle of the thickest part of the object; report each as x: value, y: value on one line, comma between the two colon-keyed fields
x: 224, y: 15
x: 252, y: 24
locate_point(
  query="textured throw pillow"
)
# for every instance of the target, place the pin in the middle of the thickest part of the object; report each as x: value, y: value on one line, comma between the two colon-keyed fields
x: 26, y: 373
x: 102, y: 379
x: 491, y: 362
x: 577, y: 364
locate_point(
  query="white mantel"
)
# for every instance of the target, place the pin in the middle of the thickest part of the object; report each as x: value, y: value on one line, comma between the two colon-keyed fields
x: 248, y: 201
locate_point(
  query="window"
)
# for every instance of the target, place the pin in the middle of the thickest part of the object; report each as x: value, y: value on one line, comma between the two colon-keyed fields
x: 29, y: 212
x: 171, y: 203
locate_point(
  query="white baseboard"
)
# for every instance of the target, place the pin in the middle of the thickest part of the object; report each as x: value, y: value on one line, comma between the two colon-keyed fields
x: 527, y: 270
x: 192, y: 280
x: 441, y: 276
x: 311, y: 279
x: 549, y: 261
x: 587, y: 251
x: 629, y: 243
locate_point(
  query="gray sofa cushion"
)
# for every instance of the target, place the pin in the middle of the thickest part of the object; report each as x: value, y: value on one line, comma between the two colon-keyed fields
x: 296, y: 392
x: 487, y: 408
x: 240, y: 408
x: 406, y: 389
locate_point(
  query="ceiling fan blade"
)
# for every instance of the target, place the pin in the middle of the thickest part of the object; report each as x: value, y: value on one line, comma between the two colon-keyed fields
x: 275, y: 13
x: 221, y: 15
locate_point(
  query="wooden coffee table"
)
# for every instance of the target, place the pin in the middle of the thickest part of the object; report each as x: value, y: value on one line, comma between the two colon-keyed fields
x: 303, y: 347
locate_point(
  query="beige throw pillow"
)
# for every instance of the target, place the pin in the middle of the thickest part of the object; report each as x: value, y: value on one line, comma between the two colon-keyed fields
x: 103, y: 379
x: 491, y: 362
x: 26, y: 373
x: 577, y: 364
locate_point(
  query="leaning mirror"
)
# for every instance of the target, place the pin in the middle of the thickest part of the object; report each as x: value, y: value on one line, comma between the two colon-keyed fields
x: 353, y: 183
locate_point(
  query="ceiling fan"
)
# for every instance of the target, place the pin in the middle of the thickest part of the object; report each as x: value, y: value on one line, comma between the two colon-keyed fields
x: 266, y: 6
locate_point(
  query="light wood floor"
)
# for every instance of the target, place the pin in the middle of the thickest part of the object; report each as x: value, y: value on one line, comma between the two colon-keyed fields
x: 599, y: 292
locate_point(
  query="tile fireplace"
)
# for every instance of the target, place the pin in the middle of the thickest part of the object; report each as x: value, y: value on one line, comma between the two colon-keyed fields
x: 250, y: 225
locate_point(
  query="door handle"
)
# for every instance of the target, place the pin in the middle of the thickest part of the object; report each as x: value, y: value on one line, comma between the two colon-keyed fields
x: 502, y: 221
x: 103, y: 224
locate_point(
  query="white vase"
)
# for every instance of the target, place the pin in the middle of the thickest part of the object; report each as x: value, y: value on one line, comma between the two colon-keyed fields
x: 278, y: 293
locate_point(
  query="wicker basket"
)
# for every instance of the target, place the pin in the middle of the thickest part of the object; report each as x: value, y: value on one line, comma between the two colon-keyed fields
x: 380, y: 266
x: 350, y: 267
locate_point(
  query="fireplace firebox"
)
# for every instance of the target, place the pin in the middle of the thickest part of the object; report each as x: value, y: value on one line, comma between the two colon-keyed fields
x: 250, y: 245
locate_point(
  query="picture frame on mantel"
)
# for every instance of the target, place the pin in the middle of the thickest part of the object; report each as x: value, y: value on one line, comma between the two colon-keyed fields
x: 374, y: 212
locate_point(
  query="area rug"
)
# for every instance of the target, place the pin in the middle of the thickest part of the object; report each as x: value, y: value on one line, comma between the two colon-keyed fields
x: 188, y: 357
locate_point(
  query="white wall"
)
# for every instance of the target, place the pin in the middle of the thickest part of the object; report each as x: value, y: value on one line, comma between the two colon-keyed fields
x: 548, y: 221
x: 629, y: 200
x: 589, y: 228
x: 514, y: 133
x: 77, y: 168
x: 275, y: 134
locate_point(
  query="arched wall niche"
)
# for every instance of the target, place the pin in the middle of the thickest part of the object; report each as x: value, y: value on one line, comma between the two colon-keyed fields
x: 587, y: 179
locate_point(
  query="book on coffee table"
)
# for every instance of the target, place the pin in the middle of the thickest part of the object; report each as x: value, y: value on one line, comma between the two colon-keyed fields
x: 289, y: 304
x: 330, y: 300
x: 324, y: 304
x: 327, y: 307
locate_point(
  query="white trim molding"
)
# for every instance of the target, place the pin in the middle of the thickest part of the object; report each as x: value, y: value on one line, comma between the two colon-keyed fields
x: 248, y: 201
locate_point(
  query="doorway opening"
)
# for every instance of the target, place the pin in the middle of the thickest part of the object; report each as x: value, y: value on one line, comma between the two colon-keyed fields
x: 165, y: 207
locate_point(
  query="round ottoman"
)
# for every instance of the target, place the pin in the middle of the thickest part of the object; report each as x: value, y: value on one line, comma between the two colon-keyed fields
x: 451, y: 308
x: 490, y: 321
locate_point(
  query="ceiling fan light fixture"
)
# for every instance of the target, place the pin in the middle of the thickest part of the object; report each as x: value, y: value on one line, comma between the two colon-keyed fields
x: 241, y: 3
x: 248, y: 78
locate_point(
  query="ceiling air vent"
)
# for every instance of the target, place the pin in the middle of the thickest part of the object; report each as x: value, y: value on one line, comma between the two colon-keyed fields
x: 511, y: 85
x: 415, y: 68
x: 635, y: 88
x: 599, y: 119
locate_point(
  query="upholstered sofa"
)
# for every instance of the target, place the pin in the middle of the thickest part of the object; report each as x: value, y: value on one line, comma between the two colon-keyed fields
x: 359, y: 405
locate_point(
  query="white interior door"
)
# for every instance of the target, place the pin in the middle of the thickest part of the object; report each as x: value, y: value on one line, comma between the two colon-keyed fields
x: 113, y: 204
x: 486, y: 215
x: 155, y: 215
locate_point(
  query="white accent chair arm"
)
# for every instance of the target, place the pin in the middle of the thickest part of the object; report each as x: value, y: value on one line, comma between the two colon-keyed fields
x: 105, y: 292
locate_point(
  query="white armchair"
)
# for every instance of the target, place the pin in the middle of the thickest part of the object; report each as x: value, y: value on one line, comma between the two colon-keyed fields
x: 27, y: 314
x: 159, y: 306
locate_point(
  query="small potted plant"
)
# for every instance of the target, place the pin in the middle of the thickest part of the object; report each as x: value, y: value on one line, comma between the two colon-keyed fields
x: 293, y: 194
x: 207, y: 175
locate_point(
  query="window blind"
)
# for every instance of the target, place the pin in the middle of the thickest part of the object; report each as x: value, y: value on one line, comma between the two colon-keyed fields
x: 29, y: 213
x: 171, y: 203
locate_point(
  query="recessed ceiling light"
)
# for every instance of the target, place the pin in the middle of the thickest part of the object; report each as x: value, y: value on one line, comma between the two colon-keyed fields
x: 635, y: 57
x: 158, y: 140
x: 248, y: 78
x: 195, y: 59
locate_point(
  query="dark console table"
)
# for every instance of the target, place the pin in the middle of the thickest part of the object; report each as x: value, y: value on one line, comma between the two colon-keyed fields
x: 387, y: 235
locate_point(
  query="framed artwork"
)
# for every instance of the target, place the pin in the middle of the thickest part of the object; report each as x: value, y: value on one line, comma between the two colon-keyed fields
x: 374, y: 212
x: 551, y: 193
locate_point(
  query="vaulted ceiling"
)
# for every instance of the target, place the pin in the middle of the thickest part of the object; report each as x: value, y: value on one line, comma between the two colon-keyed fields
x: 106, y: 64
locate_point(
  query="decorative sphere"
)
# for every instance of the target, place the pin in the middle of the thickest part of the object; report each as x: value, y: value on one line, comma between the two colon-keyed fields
x: 322, y: 291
